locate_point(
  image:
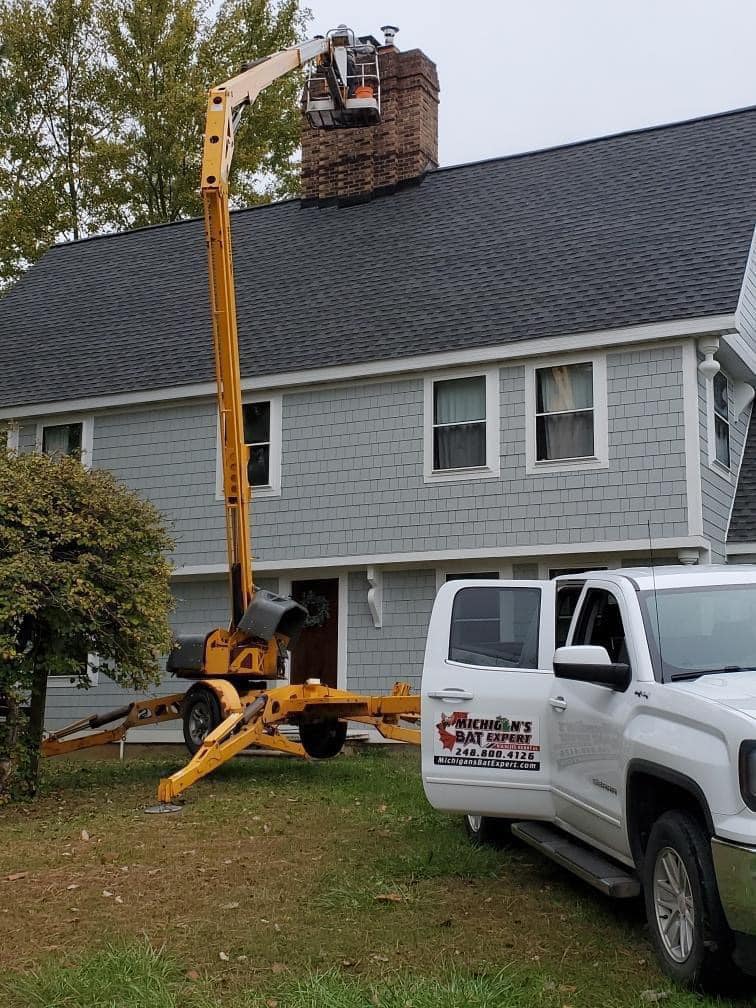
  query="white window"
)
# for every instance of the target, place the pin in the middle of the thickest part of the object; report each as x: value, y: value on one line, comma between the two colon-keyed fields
x: 721, y: 419
x: 257, y: 439
x: 262, y: 435
x: 66, y: 436
x: 566, y: 416
x: 92, y: 663
x: 461, y: 426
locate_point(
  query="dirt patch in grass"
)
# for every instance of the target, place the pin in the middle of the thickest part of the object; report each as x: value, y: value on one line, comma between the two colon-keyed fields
x: 278, y: 872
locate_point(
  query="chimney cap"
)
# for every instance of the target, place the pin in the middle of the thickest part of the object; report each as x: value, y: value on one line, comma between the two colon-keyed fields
x: 389, y: 33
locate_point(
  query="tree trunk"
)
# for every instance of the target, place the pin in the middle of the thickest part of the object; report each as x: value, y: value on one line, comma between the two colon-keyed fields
x: 10, y: 739
x: 36, y: 725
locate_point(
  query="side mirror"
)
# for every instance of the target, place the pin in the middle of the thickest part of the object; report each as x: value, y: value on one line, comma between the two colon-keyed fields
x: 592, y: 664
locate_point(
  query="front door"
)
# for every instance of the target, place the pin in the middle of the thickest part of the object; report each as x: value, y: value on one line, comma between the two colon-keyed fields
x: 316, y: 654
x: 486, y: 682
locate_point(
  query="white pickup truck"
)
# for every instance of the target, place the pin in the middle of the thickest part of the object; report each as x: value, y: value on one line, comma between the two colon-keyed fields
x: 608, y: 719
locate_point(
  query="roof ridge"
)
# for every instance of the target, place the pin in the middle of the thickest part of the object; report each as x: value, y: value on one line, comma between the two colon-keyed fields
x: 597, y: 139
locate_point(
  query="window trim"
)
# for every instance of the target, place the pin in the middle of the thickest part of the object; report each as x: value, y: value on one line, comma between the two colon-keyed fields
x: 492, y: 466
x: 600, y: 457
x: 65, y: 682
x: 273, y: 489
x: 87, y: 433
x: 712, y: 414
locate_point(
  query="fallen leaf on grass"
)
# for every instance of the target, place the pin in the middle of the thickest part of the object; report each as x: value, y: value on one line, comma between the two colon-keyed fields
x: 230, y: 906
x: 379, y: 958
x: 74, y: 885
x: 15, y: 876
x: 119, y: 899
x: 390, y: 897
x: 106, y: 893
x: 223, y: 956
x: 653, y: 996
x: 84, y: 835
x: 192, y: 975
x: 271, y: 1003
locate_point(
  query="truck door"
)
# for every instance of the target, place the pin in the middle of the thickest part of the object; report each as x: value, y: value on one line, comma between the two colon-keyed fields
x: 586, y: 726
x: 486, y: 682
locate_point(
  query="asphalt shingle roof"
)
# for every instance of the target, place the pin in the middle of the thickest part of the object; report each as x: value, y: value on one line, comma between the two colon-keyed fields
x: 639, y: 227
x: 743, y: 519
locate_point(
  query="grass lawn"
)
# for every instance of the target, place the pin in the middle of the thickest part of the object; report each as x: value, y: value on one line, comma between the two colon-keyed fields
x: 295, y: 885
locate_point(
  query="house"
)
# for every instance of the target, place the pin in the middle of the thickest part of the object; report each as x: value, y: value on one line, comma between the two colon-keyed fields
x: 516, y: 367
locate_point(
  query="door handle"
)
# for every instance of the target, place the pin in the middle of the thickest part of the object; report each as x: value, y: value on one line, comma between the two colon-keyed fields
x: 558, y: 702
x: 450, y: 695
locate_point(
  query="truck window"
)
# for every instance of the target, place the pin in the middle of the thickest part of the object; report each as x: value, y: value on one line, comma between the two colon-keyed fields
x: 496, y: 627
x: 600, y: 623
x: 566, y: 601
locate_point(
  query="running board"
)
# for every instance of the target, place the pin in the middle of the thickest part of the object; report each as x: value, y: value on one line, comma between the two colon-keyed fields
x: 594, y: 868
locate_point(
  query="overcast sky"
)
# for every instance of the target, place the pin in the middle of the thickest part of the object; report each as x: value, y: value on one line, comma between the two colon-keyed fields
x: 521, y: 74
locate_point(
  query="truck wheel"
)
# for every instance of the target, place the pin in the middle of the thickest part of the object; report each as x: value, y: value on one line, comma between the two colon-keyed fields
x: 323, y: 739
x: 487, y: 831
x: 685, y: 917
x: 201, y: 713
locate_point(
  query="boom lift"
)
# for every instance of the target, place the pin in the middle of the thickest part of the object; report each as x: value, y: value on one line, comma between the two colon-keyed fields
x: 228, y: 708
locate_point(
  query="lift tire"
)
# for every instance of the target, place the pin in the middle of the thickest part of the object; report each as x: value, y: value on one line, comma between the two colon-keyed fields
x: 201, y: 713
x: 680, y: 840
x: 323, y: 739
x: 487, y: 831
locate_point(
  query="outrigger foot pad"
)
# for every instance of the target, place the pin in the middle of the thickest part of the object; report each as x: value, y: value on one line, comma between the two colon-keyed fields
x: 162, y: 807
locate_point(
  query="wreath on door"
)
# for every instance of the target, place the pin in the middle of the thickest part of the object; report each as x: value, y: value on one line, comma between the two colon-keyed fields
x: 317, y: 608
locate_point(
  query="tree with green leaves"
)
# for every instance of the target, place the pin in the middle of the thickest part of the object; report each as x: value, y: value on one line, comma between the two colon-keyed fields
x: 83, y: 571
x: 102, y: 107
x: 50, y: 120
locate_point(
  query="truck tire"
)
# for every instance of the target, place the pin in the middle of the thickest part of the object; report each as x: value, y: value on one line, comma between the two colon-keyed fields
x: 487, y: 831
x: 201, y: 713
x: 324, y: 738
x: 685, y: 917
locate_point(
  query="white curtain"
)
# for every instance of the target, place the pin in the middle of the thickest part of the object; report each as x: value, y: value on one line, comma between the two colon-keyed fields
x: 461, y: 404
x: 561, y: 434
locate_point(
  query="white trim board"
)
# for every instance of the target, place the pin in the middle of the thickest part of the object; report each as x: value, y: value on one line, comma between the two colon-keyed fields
x: 541, y: 346
x: 434, y: 558
x: 692, y: 438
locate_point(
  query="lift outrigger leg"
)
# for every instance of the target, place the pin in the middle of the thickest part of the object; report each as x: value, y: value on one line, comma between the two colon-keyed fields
x: 258, y: 723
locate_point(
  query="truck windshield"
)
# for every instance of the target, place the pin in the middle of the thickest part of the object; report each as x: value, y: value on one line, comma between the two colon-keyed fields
x: 700, y: 630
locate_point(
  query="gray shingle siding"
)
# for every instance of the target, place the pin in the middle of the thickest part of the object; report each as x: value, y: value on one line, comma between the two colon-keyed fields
x: 745, y: 315
x: 352, y: 472
x: 718, y: 486
x: 378, y: 657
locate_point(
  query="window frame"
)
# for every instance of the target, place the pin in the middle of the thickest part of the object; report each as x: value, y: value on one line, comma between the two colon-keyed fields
x: 525, y: 586
x: 492, y: 466
x: 65, y: 682
x: 600, y: 457
x: 714, y: 460
x: 273, y: 488
x: 87, y: 433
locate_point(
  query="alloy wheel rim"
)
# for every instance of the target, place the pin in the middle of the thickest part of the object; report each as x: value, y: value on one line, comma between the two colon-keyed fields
x: 475, y: 822
x: 673, y: 903
x: 199, y: 723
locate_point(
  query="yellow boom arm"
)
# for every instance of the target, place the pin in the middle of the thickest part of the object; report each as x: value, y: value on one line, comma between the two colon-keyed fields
x: 225, y: 104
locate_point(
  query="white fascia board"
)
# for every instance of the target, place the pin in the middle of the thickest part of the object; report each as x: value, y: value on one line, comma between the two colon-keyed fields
x: 434, y: 557
x: 541, y: 346
x: 732, y: 345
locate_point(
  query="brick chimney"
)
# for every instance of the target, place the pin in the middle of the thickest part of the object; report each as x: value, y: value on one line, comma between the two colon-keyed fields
x: 352, y: 166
